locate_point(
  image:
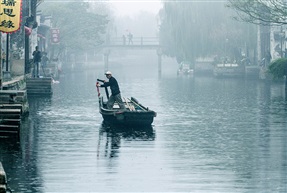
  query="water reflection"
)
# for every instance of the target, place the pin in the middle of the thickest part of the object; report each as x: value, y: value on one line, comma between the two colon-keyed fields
x: 212, y: 135
x: 112, y: 136
x: 19, y: 165
x: 19, y: 156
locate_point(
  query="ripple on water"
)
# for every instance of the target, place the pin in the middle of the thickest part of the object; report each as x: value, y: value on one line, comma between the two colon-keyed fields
x: 210, y: 135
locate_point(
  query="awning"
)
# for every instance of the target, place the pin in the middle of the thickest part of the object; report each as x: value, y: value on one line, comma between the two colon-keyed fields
x: 28, y: 31
x: 41, y: 36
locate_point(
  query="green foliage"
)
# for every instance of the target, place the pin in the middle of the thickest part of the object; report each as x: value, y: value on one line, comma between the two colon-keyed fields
x: 80, y: 29
x: 278, y: 68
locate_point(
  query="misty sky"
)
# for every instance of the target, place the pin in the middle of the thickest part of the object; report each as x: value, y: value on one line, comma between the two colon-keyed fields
x: 133, y: 7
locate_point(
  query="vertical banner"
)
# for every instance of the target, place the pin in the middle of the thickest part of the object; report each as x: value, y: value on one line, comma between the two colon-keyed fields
x: 10, y: 15
x: 55, y: 36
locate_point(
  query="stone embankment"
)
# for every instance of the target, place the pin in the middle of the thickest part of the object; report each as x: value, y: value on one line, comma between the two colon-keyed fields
x: 13, y: 106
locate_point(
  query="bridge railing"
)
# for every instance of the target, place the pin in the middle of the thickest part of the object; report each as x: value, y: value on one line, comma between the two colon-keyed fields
x: 136, y: 41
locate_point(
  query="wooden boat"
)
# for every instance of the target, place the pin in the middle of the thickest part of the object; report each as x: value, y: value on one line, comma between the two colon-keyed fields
x: 228, y: 70
x: 184, y: 69
x: 135, y: 114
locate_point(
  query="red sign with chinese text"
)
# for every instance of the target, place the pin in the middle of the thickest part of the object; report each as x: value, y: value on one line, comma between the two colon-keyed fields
x: 55, y: 36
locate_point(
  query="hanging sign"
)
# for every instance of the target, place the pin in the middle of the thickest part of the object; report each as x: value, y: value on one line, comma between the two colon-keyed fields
x: 55, y: 36
x: 10, y: 15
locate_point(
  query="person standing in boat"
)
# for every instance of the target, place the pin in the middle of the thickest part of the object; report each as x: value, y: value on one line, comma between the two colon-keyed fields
x: 115, y: 90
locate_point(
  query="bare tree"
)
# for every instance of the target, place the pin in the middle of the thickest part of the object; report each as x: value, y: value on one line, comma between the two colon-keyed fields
x: 261, y: 12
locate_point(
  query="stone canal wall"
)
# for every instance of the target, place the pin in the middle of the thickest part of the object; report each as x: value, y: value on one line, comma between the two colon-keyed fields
x: 13, y: 106
x: 14, y: 101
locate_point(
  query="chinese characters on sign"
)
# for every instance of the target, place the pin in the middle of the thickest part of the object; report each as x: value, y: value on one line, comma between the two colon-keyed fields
x: 10, y: 15
x: 55, y: 36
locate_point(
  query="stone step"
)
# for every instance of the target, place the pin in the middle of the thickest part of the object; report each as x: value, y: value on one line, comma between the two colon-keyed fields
x: 16, y: 122
x: 39, y: 86
x: 12, y: 106
x: 10, y: 116
x: 9, y: 128
x: 10, y: 111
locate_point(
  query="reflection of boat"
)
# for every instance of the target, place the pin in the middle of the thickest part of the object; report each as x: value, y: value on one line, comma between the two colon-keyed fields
x: 184, y: 69
x: 134, y: 115
x: 112, y: 136
x: 228, y: 69
x: 135, y: 133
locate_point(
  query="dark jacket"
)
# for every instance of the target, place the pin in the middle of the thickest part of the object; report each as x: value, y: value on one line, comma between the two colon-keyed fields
x: 37, y: 56
x: 113, y: 84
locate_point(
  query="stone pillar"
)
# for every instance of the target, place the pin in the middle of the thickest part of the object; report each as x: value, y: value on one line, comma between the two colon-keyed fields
x: 106, y: 59
x: 159, y: 55
x: 262, y: 73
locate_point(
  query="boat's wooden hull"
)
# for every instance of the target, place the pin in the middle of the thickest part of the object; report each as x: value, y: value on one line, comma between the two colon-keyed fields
x: 136, y: 117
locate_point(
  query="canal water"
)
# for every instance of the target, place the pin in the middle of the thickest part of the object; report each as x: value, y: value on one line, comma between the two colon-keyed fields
x: 210, y: 135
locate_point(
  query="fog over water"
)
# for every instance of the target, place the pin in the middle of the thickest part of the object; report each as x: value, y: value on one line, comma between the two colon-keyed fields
x: 210, y: 135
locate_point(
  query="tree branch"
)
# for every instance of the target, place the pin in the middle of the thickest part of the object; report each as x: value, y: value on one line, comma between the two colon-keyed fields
x: 260, y: 12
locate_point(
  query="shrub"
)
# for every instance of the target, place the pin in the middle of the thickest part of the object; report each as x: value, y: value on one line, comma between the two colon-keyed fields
x: 278, y: 68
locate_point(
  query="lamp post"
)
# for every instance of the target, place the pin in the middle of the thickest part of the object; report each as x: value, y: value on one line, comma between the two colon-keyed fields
x: 6, y: 73
x: 1, y: 64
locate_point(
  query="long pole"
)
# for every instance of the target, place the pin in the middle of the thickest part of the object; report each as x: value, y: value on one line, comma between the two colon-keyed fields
x: 7, y: 52
x: 26, y: 55
x: 1, y: 64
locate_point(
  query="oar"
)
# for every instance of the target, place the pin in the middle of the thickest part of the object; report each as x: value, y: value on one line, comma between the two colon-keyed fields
x: 99, y: 94
x: 43, y: 70
x: 106, y: 89
x: 131, y: 108
x: 127, y: 103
